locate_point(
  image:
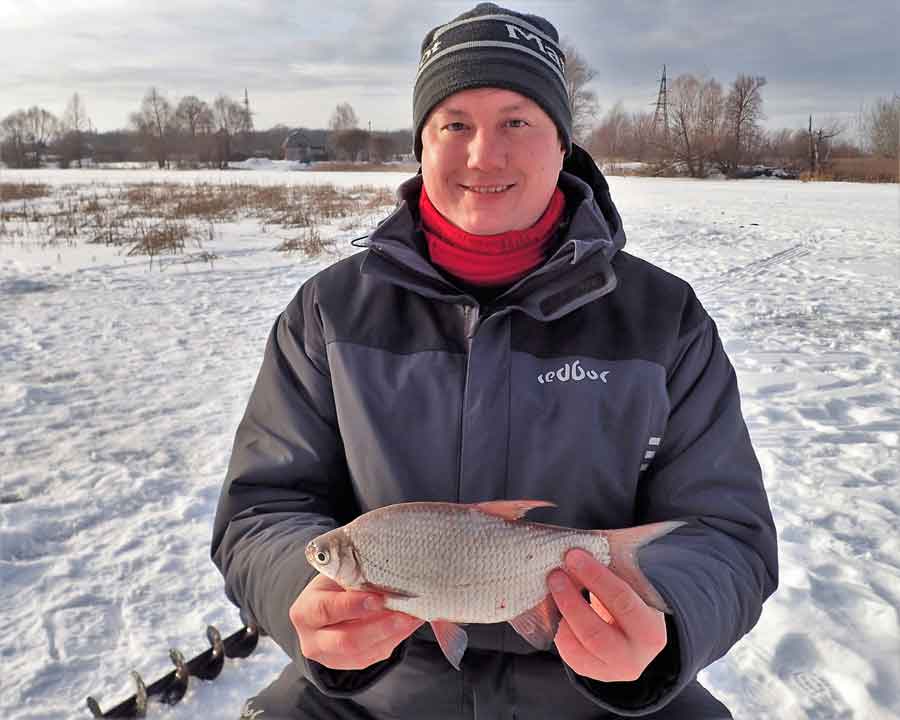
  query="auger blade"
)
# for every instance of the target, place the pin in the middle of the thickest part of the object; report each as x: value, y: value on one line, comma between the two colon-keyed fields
x: 242, y: 643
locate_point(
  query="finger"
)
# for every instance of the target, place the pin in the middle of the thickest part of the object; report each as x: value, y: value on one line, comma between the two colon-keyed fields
x: 598, y: 637
x: 574, y: 654
x: 358, y: 638
x: 623, y: 603
x: 321, y: 607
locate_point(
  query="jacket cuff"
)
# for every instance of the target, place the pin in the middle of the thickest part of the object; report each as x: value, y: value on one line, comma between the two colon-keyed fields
x: 346, y: 683
x: 656, y: 686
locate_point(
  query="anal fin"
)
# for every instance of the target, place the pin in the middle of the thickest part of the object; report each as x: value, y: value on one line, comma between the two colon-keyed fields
x: 539, y: 624
x: 452, y: 639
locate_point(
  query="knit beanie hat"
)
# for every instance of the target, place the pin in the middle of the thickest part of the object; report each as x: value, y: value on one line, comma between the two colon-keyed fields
x: 491, y: 46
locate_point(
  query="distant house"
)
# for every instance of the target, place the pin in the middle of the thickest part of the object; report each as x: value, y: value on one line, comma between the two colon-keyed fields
x: 299, y: 147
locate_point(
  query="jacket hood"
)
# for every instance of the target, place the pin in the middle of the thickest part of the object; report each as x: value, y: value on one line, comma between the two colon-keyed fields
x: 594, y: 232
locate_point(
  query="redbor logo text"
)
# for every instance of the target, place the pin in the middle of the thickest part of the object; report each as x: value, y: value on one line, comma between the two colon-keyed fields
x: 572, y: 371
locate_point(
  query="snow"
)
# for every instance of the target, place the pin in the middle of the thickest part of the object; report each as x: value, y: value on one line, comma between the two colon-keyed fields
x: 121, y: 388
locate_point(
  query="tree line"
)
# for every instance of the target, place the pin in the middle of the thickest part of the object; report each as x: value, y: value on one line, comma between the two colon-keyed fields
x: 188, y: 133
x: 705, y: 127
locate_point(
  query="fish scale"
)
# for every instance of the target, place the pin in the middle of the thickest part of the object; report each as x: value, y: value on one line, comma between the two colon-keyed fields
x: 503, y: 575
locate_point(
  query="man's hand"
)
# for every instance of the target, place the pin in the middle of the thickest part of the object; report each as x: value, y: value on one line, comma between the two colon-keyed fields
x: 612, y: 639
x: 345, y: 629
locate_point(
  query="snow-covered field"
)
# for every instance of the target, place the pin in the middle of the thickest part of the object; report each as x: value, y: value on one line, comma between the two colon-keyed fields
x: 121, y: 387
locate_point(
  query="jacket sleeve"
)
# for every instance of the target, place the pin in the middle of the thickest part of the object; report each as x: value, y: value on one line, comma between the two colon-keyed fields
x: 287, y: 482
x: 716, y: 571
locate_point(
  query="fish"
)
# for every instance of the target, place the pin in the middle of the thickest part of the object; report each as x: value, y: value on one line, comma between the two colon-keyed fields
x: 453, y: 564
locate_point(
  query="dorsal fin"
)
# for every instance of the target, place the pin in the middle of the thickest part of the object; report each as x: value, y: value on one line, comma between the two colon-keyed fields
x: 510, y: 509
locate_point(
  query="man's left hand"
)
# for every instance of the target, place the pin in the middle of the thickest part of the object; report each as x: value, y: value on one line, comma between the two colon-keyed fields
x: 613, y: 639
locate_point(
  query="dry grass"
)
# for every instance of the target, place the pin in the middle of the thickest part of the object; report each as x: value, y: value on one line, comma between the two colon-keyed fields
x: 156, y: 218
x: 159, y: 239
x: 309, y: 242
x: 22, y: 191
x: 865, y: 169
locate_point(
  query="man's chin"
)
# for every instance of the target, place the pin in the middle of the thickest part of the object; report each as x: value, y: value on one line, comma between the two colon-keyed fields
x: 487, y: 224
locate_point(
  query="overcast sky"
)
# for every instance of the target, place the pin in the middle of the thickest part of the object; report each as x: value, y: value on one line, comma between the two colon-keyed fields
x: 299, y: 58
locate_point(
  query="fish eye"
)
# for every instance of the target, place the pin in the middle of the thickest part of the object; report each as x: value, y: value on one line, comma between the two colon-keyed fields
x: 322, y: 557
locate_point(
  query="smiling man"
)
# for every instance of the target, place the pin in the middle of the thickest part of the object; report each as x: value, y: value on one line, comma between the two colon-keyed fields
x: 494, y: 341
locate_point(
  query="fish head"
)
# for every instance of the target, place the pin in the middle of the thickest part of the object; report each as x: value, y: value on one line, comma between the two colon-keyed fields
x: 333, y: 555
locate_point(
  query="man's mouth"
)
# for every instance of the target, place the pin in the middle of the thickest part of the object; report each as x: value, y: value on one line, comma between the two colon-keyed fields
x: 487, y: 189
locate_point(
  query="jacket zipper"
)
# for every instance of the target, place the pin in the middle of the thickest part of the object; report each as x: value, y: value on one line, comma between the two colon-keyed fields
x: 471, y: 321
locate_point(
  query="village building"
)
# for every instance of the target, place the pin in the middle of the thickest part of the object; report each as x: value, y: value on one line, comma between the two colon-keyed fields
x: 299, y: 147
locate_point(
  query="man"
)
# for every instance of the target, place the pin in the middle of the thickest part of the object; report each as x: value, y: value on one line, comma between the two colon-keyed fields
x: 495, y: 342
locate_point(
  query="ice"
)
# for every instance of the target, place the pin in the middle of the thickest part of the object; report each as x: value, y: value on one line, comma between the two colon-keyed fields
x: 121, y: 388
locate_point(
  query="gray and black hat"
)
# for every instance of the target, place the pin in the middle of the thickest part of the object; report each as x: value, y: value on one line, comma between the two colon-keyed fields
x: 491, y: 46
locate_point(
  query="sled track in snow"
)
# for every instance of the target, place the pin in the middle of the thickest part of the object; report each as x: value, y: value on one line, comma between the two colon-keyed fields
x: 738, y: 274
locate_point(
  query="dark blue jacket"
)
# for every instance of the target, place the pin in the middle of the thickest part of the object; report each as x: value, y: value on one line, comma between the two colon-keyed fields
x: 597, y: 382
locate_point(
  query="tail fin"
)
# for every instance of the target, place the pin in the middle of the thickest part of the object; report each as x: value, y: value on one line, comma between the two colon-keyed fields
x: 623, y: 561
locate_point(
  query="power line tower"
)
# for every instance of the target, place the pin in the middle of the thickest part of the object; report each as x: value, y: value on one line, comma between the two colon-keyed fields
x: 661, y: 116
x: 248, y: 116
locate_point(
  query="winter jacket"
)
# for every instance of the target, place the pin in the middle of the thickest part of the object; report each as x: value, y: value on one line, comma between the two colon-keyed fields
x: 597, y: 382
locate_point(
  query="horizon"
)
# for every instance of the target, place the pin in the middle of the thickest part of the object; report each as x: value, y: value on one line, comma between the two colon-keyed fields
x: 298, y: 65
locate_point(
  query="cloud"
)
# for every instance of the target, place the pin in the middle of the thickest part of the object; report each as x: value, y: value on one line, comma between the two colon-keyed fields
x: 816, y: 54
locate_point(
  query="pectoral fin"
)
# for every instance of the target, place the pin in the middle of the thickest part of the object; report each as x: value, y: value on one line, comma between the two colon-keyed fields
x: 452, y: 639
x: 539, y: 625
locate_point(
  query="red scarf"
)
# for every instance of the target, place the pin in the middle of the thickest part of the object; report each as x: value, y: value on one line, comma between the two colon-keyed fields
x: 489, y: 260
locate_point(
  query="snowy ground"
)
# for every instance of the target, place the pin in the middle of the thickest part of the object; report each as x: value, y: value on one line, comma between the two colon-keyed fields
x: 120, y: 390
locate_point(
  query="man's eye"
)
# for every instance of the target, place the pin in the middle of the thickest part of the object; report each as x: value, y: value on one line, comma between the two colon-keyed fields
x: 455, y: 126
x: 517, y: 123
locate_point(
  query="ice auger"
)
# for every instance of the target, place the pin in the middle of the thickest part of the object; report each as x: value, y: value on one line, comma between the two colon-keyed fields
x: 172, y: 686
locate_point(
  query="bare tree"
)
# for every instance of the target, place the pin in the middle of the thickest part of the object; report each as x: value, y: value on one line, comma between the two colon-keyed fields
x: 881, y: 127
x: 743, y: 113
x: 695, y: 113
x: 14, y: 131
x: 190, y: 116
x: 381, y: 147
x: 26, y: 135
x: 346, y: 140
x: 156, y: 122
x: 643, y: 143
x: 343, y: 118
x: 42, y: 127
x: 229, y: 119
x: 189, y: 113
x: 582, y: 99
x: 609, y: 138
x: 785, y: 147
x: 75, y: 123
x: 350, y: 144
x: 819, y: 140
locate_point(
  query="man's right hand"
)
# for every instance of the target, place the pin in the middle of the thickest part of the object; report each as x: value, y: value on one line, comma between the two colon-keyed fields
x: 346, y: 629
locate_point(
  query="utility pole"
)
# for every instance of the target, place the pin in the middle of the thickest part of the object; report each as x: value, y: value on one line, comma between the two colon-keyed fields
x: 661, y: 116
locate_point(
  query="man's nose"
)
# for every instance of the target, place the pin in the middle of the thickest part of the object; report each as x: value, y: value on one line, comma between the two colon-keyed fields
x: 487, y: 151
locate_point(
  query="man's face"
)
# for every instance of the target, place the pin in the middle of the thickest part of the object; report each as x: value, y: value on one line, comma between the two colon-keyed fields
x: 490, y: 160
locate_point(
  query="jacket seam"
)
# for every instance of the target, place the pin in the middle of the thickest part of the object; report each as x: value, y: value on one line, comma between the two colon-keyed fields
x: 371, y: 346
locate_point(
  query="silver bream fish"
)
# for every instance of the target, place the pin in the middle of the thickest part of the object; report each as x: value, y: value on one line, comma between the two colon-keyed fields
x: 451, y: 564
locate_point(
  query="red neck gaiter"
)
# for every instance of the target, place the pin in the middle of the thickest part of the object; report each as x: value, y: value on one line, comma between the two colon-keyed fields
x: 489, y: 260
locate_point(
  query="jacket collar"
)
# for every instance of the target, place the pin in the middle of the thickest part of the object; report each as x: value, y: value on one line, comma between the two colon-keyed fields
x: 577, y: 273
